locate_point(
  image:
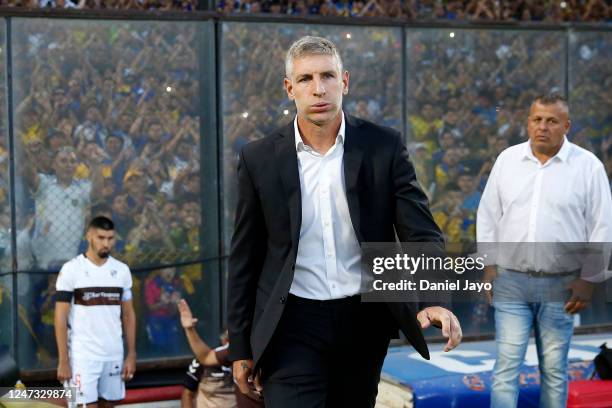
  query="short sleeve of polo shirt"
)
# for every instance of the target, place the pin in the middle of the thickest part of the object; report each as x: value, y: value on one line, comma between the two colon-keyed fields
x: 127, y: 285
x: 65, y: 283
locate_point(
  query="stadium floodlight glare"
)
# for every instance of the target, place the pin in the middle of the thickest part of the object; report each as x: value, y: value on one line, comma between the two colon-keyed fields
x: 452, y: 35
x: 348, y: 36
x: 563, y: 4
x: 286, y: 111
x: 168, y: 89
x: 245, y: 114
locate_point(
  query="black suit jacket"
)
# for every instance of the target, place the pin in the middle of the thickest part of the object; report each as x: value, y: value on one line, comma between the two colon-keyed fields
x: 384, y: 199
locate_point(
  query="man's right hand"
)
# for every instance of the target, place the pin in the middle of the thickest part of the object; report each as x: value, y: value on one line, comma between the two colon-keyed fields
x: 489, y: 275
x: 243, y: 378
x: 64, y: 373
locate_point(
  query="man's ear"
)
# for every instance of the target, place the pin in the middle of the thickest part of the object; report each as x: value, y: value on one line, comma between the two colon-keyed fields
x: 345, y: 83
x: 289, y: 88
x: 567, y: 126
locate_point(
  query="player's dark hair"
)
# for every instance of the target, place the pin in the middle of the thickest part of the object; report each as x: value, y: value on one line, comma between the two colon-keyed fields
x: 101, y: 222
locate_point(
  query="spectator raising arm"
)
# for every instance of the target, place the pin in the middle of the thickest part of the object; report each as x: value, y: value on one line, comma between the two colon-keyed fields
x: 202, y: 351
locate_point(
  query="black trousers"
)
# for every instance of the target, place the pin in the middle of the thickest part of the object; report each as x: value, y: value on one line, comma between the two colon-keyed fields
x: 326, y: 354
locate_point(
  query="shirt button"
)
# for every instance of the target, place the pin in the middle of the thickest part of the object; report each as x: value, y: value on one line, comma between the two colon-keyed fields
x: 283, y: 300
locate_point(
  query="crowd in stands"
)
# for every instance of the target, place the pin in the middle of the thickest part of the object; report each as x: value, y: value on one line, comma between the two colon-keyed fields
x: 552, y: 11
x: 107, y: 122
x: 466, y: 103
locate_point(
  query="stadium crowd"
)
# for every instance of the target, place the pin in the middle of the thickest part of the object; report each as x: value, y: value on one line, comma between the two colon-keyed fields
x: 107, y: 121
x: 504, y: 10
x: 552, y: 11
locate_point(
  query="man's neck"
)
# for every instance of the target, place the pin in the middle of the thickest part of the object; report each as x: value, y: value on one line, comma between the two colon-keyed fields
x: 320, y: 137
x: 94, y: 258
x: 64, y: 182
x: 543, y: 156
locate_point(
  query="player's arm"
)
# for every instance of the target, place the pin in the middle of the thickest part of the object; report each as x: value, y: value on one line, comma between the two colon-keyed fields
x: 205, y: 355
x: 62, y: 309
x: 190, y: 384
x: 128, y: 319
x: 64, y: 287
x: 187, y: 398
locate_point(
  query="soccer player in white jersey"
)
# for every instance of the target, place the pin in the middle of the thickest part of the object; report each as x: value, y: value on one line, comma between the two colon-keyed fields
x: 94, y: 302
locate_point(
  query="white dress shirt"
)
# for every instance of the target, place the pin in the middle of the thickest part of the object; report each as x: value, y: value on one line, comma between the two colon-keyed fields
x: 328, y: 264
x: 565, y: 200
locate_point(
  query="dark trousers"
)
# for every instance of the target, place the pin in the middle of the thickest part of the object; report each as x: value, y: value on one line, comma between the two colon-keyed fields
x: 326, y: 354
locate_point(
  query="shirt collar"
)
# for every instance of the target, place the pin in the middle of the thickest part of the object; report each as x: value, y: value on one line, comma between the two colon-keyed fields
x: 562, y: 154
x: 299, y: 142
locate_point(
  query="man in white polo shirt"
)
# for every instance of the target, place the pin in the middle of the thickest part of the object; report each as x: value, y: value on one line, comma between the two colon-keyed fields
x: 552, y: 195
x: 94, y: 301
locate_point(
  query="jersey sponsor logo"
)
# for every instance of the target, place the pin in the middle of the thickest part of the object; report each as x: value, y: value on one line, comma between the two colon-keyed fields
x: 96, y: 296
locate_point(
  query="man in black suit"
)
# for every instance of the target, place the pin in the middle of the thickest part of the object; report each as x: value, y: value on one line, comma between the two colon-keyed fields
x: 308, y: 196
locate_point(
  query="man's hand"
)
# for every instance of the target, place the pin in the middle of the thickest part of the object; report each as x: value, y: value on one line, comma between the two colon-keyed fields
x: 243, y: 378
x: 581, y: 295
x: 489, y: 275
x: 440, y: 317
x: 187, y: 319
x: 64, y: 373
x: 129, y: 367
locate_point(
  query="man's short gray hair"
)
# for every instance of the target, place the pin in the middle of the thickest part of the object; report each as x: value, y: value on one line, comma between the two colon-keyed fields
x: 552, y: 99
x: 309, y: 45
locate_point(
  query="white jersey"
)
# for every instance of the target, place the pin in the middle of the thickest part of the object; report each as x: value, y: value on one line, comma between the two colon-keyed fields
x: 94, y: 323
x: 60, y: 219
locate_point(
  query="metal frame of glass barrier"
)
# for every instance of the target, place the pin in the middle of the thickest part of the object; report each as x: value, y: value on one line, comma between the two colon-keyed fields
x: 210, y: 55
x: 8, y: 276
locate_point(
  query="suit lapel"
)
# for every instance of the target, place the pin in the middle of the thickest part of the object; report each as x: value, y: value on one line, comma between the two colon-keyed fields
x: 353, y: 154
x: 286, y: 158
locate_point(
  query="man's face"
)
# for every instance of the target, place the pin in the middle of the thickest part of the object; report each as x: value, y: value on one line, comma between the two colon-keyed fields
x: 73, y: 87
x: 190, y: 214
x: 447, y: 141
x: 136, y: 185
x: 101, y: 241
x: 155, y: 132
x: 184, y: 150
x: 113, y: 145
x: 167, y: 274
x: 120, y: 204
x: 317, y: 86
x: 65, y: 164
x: 428, y: 112
x: 465, y: 183
x: 546, y: 126
x: 93, y: 114
x: 124, y: 123
x: 451, y: 157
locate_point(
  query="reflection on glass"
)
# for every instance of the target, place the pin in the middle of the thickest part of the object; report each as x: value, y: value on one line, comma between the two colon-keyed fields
x: 590, y: 104
x: 591, y: 93
x: 107, y: 122
x: 468, y: 94
x: 468, y: 98
x: 253, y: 97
